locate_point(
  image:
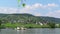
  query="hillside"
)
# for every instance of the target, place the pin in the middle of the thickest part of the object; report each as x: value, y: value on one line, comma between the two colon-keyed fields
x: 27, y: 18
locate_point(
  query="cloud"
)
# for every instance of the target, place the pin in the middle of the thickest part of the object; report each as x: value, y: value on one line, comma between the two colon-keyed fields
x: 7, y: 10
x: 54, y: 14
x: 38, y: 5
x: 26, y: 8
x: 52, y: 5
x: 37, y: 14
x: 31, y: 9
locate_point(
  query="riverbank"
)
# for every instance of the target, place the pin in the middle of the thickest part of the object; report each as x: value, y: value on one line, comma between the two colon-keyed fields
x: 15, y: 25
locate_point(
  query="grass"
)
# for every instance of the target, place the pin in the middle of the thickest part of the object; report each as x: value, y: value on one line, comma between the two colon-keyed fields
x: 9, y: 25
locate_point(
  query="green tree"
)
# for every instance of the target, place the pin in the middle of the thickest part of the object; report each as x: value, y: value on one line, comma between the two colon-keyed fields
x: 52, y: 25
x: 0, y: 22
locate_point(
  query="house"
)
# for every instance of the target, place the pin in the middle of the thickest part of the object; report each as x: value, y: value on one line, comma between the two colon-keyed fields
x: 57, y: 25
x: 39, y: 23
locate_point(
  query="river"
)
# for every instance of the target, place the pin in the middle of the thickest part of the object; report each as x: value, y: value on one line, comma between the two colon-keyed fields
x: 31, y: 31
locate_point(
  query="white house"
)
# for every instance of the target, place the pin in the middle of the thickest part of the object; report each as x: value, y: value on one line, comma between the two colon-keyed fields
x: 39, y: 23
x: 57, y: 25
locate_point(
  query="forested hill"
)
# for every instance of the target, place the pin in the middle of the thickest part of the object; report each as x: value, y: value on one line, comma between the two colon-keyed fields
x: 27, y: 18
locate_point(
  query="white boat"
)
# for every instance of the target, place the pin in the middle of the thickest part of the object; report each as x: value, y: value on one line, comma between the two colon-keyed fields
x: 17, y: 28
x: 20, y: 28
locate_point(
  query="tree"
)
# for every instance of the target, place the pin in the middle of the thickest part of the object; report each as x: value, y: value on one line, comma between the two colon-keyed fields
x: 0, y: 22
x: 52, y: 25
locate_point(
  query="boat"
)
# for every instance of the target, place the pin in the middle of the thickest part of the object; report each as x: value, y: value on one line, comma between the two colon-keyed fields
x: 20, y: 28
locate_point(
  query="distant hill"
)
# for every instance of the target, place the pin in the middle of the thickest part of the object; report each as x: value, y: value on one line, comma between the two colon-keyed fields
x: 27, y: 18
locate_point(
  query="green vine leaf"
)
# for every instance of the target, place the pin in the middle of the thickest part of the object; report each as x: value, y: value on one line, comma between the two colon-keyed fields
x: 23, y: 4
x: 18, y: 1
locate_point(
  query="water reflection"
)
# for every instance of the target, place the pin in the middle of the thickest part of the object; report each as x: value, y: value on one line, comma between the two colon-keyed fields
x: 48, y: 31
x: 20, y: 31
x: 31, y: 31
x: 0, y: 30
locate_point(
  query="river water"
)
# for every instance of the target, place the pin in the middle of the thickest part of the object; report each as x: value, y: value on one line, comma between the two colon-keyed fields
x: 31, y: 31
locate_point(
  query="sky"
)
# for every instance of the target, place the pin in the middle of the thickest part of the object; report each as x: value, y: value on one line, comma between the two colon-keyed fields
x: 49, y: 8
